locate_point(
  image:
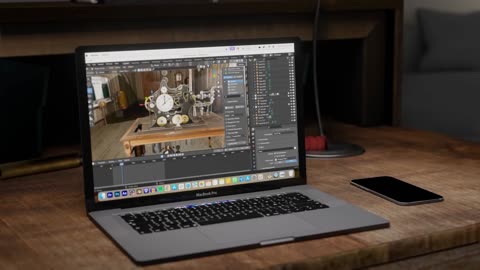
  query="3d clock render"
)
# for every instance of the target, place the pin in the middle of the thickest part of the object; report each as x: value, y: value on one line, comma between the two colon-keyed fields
x: 239, y: 134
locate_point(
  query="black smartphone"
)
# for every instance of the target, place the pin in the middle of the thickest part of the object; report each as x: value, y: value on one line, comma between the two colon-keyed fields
x: 397, y: 191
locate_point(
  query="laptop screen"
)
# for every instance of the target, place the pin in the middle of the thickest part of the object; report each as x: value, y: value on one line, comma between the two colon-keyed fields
x: 165, y: 121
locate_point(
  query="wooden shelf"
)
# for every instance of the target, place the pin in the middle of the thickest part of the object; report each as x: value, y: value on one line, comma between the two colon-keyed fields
x: 58, y: 28
x: 69, y: 12
x: 50, y: 38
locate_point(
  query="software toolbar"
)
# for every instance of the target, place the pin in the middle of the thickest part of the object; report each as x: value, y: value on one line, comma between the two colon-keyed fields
x: 193, y: 185
x: 236, y: 125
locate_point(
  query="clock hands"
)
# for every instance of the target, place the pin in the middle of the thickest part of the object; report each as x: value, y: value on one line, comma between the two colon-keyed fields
x: 164, y: 102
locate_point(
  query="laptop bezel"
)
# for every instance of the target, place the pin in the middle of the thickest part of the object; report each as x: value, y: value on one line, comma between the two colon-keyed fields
x: 92, y: 205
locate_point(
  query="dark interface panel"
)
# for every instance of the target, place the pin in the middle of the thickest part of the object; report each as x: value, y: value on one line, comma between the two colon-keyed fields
x: 165, y: 123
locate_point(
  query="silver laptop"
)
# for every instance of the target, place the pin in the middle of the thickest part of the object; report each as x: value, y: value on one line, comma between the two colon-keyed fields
x: 198, y: 148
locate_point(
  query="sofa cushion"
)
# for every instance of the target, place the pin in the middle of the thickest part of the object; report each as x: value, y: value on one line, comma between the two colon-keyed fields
x: 445, y: 102
x: 451, y: 40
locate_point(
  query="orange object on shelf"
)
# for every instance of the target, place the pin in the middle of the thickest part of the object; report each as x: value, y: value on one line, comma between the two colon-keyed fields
x: 122, y: 100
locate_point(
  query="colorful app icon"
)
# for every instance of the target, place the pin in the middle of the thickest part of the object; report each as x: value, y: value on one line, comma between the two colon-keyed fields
x: 174, y: 187
x: 247, y: 178
x: 214, y: 182
x: 194, y: 184
x: 160, y: 189
x: 201, y: 183
x: 228, y: 180
x: 282, y: 174
x: 254, y: 177
x: 181, y: 186
x: 153, y: 190
x: 291, y: 173
x: 109, y: 195
x: 131, y: 192
x: 139, y: 191
x: 275, y: 174
x: 117, y: 193
x: 101, y: 196
x: 124, y: 193
x: 167, y: 188
x: 188, y: 185
x: 235, y: 180
x: 208, y: 183
x: 146, y: 190
x: 221, y: 181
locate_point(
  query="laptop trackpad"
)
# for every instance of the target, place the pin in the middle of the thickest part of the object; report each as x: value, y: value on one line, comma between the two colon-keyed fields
x: 260, y: 229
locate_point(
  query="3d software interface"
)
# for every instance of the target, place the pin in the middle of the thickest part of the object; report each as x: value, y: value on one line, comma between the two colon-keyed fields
x: 173, y: 120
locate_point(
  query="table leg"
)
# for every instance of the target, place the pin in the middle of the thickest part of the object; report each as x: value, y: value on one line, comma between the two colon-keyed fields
x: 128, y: 149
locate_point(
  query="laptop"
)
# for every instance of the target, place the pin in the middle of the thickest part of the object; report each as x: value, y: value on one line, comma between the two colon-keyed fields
x: 198, y: 148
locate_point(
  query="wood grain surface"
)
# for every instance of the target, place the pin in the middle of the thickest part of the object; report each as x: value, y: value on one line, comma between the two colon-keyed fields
x: 43, y: 224
x: 31, y: 29
x: 58, y: 28
x: 171, y: 9
x: 213, y: 127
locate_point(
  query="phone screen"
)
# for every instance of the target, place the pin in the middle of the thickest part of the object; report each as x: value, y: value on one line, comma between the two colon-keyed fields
x: 396, y: 190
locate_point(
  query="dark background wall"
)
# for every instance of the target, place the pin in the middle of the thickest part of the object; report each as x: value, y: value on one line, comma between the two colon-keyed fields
x: 60, y: 116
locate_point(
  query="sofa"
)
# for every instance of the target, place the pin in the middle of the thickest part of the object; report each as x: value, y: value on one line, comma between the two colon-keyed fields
x: 441, y: 79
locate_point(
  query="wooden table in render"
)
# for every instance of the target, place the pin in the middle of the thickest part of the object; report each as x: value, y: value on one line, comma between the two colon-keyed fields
x: 212, y: 127
x: 43, y: 223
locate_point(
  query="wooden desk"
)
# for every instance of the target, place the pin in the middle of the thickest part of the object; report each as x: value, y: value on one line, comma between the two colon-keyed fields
x: 43, y: 223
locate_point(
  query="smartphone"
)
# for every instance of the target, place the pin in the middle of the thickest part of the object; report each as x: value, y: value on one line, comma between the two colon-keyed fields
x: 396, y: 191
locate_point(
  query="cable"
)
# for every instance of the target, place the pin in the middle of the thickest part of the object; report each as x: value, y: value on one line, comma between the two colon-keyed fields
x: 330, y: 150
x: 315, y: 80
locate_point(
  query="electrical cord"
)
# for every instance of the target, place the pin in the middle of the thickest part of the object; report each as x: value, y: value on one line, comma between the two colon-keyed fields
x: 315, y: 79
x: 317, y: 146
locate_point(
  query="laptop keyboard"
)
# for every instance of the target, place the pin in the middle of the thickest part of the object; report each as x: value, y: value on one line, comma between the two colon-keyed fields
x: 220, y: 212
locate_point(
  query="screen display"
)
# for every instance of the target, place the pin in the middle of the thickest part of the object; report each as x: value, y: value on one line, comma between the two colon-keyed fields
x: 396, y: 189
x: 186, y: 119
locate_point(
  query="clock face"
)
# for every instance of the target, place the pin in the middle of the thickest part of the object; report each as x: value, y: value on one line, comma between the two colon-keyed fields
x: 164, y: 102
x: 161, y: 121
x: 185, y: 118
x: 177, y: 119
x: 163, y: 89
x: 149, y: 104
x: 164, y: 72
